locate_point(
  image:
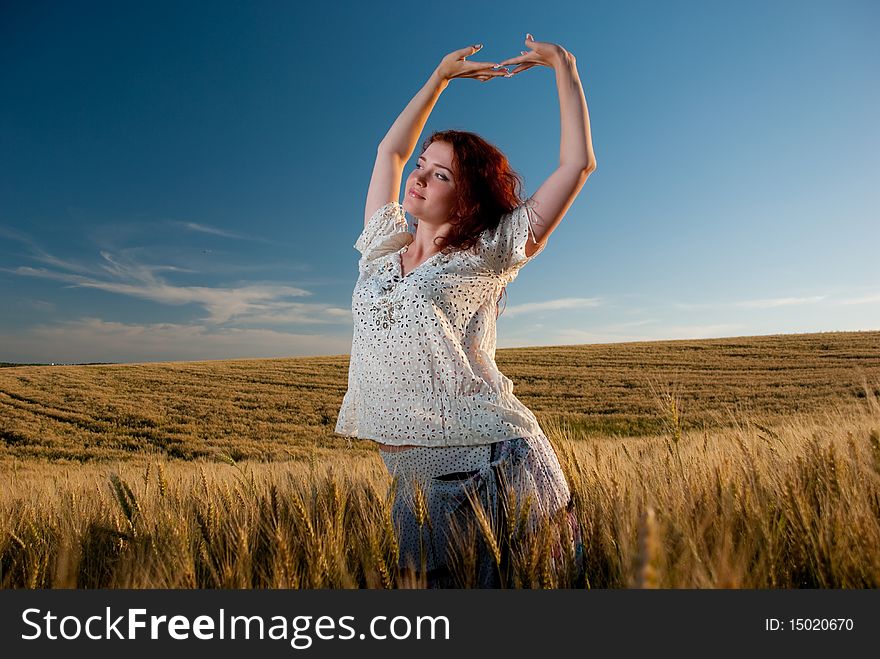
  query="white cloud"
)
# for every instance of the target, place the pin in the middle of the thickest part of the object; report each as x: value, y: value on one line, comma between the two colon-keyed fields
x: 611, y: 334
x: 223, y: 233
x: 40, y: 255
x: 866, y: 299
x: 250, y: 303
x: 764, y: 303
x: 38, y: 305
x: 551, y: 305
x: 636, y: 323
x: 769, y: 303
x: 778, y: 302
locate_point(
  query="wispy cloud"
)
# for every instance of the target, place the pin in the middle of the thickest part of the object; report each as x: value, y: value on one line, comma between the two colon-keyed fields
x: 39, y: 255
x: 13, y: 234
x: 38, y: 305
x: 249, y: 303
x: 865, y: 299
x: 93, y: 339
x: 551, y: 305
x: 637, y: 323
x: 615, y: 333
x: 253, y: 302
x: 223, y: 233
x: 770, y: 303
x: 764, y: 303
x: 779, y: 302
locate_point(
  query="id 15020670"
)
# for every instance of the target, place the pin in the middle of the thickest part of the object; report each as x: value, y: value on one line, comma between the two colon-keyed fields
x: 808, y: 624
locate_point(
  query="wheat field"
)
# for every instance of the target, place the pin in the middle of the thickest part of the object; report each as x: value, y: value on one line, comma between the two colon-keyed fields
x: 748, y: 462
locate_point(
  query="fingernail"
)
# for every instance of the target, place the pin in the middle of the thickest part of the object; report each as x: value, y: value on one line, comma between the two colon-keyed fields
x: 477, y: 46
x: 529, y: 37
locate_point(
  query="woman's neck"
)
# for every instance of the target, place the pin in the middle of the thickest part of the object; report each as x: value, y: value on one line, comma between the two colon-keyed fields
x: 423, y: 244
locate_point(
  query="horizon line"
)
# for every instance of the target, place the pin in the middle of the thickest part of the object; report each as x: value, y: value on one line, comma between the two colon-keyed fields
x: 7, y: 364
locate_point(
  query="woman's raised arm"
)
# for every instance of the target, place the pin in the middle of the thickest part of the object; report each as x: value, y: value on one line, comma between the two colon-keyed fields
x: 399, y: 143
x: 576, y: 158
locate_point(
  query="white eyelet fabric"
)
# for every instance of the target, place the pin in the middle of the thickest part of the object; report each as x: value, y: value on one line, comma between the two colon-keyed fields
x: 422, y: 368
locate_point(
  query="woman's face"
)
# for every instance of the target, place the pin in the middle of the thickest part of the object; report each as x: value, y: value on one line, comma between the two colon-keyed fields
x: 430, y: 190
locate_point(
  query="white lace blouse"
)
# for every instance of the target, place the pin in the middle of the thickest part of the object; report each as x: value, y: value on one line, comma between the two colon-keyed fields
x: 422, y: 368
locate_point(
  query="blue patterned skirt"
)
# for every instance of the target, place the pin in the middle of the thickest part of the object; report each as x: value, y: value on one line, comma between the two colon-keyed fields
x: 486, y: 516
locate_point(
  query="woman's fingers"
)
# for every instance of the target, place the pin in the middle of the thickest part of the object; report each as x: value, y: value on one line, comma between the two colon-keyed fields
x: 458, y: 66
x: 539, y: 55
x: 474, y: 69
x: 480, y: 75
x: 520, y: 69
x: 467, y: 51
x: 479, y: 65
x: 519, y: 59
x: 548, y: 54
x: 524, y: 63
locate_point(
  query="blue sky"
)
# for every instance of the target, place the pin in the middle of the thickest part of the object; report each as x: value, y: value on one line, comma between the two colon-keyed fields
x: 186, y: 180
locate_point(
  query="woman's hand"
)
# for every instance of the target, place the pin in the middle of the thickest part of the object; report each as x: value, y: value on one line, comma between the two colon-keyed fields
x: 455, y: 65
x: 541, y: 54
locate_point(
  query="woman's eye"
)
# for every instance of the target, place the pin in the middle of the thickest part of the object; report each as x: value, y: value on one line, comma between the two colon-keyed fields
x: 440, y: 176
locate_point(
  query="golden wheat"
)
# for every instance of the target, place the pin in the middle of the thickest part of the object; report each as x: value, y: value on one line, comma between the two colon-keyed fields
x: 792, y: 505
x: 751, y: 463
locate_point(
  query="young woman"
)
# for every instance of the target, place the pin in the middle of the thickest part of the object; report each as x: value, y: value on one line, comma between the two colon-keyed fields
x: 422, y: 381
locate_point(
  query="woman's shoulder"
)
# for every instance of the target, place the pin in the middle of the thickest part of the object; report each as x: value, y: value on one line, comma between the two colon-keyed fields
x: 503, y: 245
x: 387, y: 223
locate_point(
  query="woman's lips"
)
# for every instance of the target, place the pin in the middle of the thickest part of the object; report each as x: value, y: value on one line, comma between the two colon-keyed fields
x: 412, y: 193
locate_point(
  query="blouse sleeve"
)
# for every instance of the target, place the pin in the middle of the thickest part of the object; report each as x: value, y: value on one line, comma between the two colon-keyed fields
x: 504, y: 247
x: 388, y: 220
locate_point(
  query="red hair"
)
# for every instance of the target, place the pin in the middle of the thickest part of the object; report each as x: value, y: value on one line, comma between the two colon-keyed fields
x: 487, y: 186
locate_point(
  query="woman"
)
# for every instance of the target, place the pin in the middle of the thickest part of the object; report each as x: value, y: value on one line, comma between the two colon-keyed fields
x: 466, y: 454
